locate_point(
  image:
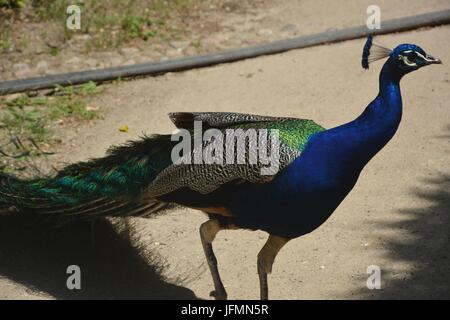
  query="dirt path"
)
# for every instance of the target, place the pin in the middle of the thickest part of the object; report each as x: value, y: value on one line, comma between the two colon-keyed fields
x: 204, y: 27
x: 396, y: 217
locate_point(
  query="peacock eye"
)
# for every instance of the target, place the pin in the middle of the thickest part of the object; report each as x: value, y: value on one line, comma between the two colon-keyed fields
x: 412, y: 56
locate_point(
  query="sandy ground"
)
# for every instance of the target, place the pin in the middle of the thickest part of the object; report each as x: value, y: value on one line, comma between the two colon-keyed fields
x: 396, y: 217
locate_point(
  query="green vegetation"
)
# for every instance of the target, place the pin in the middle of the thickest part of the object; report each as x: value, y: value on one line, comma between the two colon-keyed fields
x: 109, y: 22
x: 12, y: 4
x: 22, y: 117
x: 4, y: 42
x: 31, y: 117
x: 28, y: 120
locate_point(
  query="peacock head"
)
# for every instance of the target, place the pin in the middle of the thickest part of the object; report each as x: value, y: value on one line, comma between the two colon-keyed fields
x: 404, y: 58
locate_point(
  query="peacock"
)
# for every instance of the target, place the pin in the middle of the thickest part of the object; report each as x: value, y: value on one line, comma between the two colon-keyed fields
x: 317, y: 169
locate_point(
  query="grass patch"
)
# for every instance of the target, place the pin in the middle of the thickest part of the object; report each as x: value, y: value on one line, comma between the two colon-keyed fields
x: 26, y: 122
x: 5, y: 43
x: 112, y: 23
x: 12, y: 4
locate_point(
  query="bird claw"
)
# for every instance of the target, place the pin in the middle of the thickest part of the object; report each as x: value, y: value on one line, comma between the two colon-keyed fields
x: 218, y: 295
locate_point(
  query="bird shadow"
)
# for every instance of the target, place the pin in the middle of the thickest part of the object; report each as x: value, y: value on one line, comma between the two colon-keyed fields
x: 37, y: 255
x: 424, y: 244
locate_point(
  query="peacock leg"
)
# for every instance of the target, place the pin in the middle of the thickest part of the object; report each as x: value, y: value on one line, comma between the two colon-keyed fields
x: 208, y: 231
x: 266, y: 258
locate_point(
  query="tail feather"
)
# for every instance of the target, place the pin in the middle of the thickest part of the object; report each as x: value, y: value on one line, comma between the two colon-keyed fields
x: 111, y: 186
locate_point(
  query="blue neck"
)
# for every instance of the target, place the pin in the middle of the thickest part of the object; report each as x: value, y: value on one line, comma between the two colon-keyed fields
x: 359, y: 140
x: 333, y: 159
x: 328, y: 168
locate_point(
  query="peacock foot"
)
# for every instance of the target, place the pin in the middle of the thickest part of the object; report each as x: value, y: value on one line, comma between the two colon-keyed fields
x: 221, y: 295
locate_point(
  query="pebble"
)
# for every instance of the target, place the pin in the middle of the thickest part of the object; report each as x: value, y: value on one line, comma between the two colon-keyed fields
x: 20, y: 66
x: 73, y: 60
x: 13, y: 96
x: 289, y: 28
x: 91, y: 63
x: 128, y: 51
x: 243, y: 37
x: 265, y: 32
x: 82, y: 37
x: 42, y: 66
x: 174, y: 53
x: 129, y: 62
x: 179, y: 45
x: 21, y: 70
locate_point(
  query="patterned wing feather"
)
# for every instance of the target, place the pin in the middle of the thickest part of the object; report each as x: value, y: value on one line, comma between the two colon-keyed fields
x: 205, y: 178
x: 186, y: 120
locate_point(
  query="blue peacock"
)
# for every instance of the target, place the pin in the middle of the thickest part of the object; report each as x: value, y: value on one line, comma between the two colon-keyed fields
x: 318, y: 168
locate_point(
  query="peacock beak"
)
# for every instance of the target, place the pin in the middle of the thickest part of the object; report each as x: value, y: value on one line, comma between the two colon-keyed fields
x: 431, y: 60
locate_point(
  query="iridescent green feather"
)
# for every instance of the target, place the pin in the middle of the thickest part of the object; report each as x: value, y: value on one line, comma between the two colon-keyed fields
x: 292, y: 132
x: 115, y: 184
x: 125, y: 172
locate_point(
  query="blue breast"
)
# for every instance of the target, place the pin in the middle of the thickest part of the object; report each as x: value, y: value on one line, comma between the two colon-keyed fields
x: 307, y: 192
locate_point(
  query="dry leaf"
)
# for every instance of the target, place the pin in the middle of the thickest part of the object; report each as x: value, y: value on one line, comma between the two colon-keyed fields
x: 91, y: 108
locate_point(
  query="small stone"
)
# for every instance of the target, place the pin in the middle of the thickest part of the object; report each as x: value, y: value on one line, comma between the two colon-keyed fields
x: 20, y: 66
x: 92, y: 108
x: 243, y: 37
x: 179, y: 45
x: 82, y: 37
x: 11, y: 97
x: 128, y: 51
x: 265, y: 32
x: 174, y: 53
x: 322, y: 267
x: 42, y: 66
x: 91, y: 63
x: 21, y: 70
x: 73, y: 60
x: 129, y: 62
x: 289, y: 28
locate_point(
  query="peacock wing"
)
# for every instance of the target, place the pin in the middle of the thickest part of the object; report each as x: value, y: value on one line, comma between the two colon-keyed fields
x: 204, y: 178
x: 185, y: 120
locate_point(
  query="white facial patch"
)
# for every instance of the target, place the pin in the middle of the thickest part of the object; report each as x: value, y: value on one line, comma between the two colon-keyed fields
x: 427, y: 59
x: 406, y: 60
